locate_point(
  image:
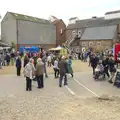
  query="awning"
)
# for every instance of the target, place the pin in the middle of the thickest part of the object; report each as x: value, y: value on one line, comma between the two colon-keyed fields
x: 4, y: 44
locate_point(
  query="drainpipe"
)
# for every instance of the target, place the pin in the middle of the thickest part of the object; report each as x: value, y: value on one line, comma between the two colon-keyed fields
x: 17, y: 35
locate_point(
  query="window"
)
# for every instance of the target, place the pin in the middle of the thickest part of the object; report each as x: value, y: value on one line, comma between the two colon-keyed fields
x: 77, y: 50
x: 98, y: 43
x: 83, y: 44
x: 90, y: 43
x: 61, y: 31
x: 79, y: 33
x: 73, y: 32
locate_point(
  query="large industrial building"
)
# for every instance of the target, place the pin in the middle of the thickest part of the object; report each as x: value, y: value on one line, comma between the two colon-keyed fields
x: 27, y: 30
x: 98, y: 33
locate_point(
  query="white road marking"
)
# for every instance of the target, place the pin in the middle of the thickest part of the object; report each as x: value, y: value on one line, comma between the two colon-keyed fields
x: 86, y: 88
x: 69, y: 90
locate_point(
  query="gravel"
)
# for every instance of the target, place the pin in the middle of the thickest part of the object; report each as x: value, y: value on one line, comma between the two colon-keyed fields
x: 60, y: 107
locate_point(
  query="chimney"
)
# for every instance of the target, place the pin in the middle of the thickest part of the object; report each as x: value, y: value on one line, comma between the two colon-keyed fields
x: 94, y: 17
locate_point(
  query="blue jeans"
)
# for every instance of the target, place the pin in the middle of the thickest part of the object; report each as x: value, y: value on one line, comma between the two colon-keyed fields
x: 61, y: 78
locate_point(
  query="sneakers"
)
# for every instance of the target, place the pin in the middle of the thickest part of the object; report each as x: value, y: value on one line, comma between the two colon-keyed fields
x: 110, y: 81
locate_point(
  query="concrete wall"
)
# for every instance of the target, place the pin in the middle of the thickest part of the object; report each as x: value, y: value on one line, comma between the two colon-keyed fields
x: 35, y: 33
x: 8, y: 29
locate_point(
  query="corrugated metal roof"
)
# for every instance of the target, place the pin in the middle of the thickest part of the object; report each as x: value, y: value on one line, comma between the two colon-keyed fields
x: 98, y: 33
x: 93, y: 23
x: 30, y: 18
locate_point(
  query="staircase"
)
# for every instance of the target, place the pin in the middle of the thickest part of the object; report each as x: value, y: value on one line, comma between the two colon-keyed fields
x: 67, y: 45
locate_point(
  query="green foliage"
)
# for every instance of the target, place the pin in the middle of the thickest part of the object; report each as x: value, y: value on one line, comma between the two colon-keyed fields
x: 13, y: 44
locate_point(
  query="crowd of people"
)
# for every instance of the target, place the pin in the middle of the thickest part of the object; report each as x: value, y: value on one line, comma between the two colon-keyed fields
x: 103, y: 66
x: 35, y: 65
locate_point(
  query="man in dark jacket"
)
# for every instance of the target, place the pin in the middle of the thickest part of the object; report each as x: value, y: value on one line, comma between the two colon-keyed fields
x: 18, y: 65
x: 63, y: 70
x: 105, y: 63
x: 94, y: 62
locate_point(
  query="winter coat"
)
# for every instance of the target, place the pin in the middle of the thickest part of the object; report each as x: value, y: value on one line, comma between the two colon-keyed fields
x: 39, y: 69
x: 29, y: 70
x: 18, y: 63
x: 70, y: 70
x: 63, y: 66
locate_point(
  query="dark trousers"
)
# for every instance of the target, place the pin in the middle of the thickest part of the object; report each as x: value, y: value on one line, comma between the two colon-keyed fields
x: 56, y: 72
x: 45, y: 70
x: 61, y: 78
x: 106, y: 72
x: 28, y: 84
x: 18, y: 71
x: 40, y: 81
x: 93, y: 67
x: 8, y: 63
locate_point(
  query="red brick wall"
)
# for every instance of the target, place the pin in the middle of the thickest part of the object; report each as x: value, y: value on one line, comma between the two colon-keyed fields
x: 60, y: 38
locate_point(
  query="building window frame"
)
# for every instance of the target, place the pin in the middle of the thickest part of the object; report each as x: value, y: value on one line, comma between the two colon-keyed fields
x: 98, y: 43
x: 79, y: 33
x: 77, y: 49
x: 73, y: 32
x: 90, y: 43
x: 83, y: 44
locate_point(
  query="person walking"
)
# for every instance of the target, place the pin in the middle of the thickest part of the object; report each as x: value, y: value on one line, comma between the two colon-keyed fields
x: 39, y: 73
x: 29, y: 73
x: 63, y: 71
x: 0, y: 61
x: 94, y: 62
x: 8, y: 59
x: 35, y: 59
x: 112, y: 68
x: 44, y: 59
x: 105, y: 63
x: 70, y: 70
x: 12, y: 58
x: 55, y: 67
x: 18, y: 65
x: 49, y: 60
x: 26, y: 60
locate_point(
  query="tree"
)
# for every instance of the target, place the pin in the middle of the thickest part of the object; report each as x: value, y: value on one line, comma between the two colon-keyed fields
x: 13, y: 44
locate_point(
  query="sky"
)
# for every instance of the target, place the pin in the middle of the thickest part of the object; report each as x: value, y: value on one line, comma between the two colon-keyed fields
x: 62, y: 9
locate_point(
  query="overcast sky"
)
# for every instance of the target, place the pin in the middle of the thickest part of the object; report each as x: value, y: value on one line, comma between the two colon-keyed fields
x: 63, y: 9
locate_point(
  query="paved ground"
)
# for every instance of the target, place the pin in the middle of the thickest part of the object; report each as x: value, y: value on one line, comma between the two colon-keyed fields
x: 77, y: 101
x: 78, y: 66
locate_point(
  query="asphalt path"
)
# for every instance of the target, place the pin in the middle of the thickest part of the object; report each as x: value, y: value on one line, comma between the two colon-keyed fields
x: 82, y: 85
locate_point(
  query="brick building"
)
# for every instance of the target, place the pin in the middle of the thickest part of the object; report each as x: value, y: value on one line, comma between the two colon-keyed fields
x: 99, y: 33
x: 60, y: 31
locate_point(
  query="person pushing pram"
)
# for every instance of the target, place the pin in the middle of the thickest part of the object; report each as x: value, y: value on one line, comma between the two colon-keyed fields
x: 99, y: 71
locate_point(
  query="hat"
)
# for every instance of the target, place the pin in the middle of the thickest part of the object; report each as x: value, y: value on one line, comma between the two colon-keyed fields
x: 63, y: 57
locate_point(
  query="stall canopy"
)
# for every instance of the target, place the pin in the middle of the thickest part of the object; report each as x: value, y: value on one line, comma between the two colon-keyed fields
x: 28, y: 49
x: 56, y: 49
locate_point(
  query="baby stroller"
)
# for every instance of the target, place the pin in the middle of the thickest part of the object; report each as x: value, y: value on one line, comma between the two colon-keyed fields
x: 99, y: 72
